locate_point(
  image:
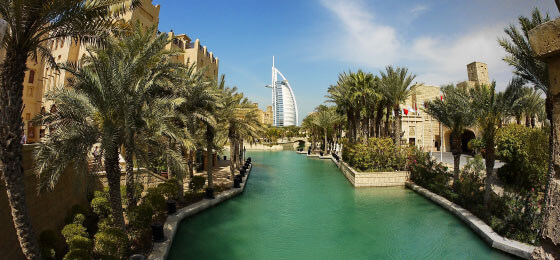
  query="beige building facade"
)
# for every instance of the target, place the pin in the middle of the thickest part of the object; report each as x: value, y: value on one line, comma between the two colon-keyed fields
x: 194, y: 53
x: 41, y: 78
x: 422, y: 130
x: 265, y: 116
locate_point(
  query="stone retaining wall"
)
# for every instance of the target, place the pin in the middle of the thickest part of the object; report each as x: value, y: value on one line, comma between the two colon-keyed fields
x: 492, y: 238
x: 161, y: 250
x: 373, y: 179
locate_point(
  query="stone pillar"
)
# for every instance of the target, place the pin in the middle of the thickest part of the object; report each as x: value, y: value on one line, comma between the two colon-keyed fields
x: 545, y: 41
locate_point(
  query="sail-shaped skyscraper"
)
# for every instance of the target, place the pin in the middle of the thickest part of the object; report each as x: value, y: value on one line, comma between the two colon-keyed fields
x: 284, y: 106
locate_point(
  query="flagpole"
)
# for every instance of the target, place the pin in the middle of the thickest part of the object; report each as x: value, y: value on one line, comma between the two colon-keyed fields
x: 441, y: 143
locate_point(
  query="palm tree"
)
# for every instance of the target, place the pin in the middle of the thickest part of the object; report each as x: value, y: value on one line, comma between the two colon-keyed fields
x: 397, y: 87
x: 454, y: 112
x: 238, y: 116
x: 490, y: 108
x: 32, y: 26
x: 211, y: 129
x: 325, y: 118
x: 309, y: 125
x: 148, y: 69
x: 196, y: 88
x: 521, y: 58
x: 533, y: 103
x: 341, y: 95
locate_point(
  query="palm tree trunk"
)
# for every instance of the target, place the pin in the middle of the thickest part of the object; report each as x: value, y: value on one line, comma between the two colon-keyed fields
x: 349, y: 123
x: 129, y: 155
x: 378, y: 119
x: 232, y: 157
x: 325, y: 153
x: 240, y: 154
x: 456, y: 151
x: 387, y: 120
x: 527, y: 121
x: 113, y: 172
x: 489, y: 157
x: 11, y: 127
x: 191, y: 155
x: 398, y: 127
x: 209, y: 147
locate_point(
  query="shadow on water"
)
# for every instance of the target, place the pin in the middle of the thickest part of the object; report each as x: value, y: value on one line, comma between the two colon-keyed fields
x: 300, y: 208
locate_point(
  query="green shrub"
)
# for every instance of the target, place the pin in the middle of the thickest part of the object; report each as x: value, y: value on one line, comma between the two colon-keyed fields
x: 169, y: 188
x: 101, y: 206
x: 524, y: 151
x: 78, y: 254
x: 72, y: 230
x: 197, y: 183
x: 431, y: 175
x: 155, y: 200
x: 141, y: 216
x: 477, y: 145
x: 470, y: 186
x: 82, y: 243
x: 110, y: 242
x: 518, y: 217
x: 378, y: 154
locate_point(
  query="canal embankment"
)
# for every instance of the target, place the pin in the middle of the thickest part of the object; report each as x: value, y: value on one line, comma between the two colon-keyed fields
x: 385, y: 179
x: 492, y: 238
x: 161, y: 250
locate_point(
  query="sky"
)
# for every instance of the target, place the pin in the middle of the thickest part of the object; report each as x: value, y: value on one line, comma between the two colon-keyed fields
x: 315, y: 40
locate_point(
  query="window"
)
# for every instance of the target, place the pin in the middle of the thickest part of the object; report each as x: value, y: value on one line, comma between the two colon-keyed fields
x: 59, y: 57
x: 31, y: 76
x: 30, y: 131
x: 61, y: 43
x: 30, y: 91
x: 27, y: 116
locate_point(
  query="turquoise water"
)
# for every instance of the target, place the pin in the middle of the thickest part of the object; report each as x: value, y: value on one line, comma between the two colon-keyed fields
x: 300, y: 208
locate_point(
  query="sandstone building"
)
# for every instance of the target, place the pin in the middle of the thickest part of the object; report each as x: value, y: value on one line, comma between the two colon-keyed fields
x: 41, y: 78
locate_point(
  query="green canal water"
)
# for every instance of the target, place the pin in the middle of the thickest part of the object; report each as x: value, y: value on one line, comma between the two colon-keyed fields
x: 300, y: 208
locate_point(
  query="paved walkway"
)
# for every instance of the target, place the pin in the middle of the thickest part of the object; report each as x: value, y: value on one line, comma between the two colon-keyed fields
x: 221, y: 174
x: 448, y: 159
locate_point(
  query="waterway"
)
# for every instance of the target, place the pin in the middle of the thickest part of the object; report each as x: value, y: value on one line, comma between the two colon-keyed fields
x: 300, y: 208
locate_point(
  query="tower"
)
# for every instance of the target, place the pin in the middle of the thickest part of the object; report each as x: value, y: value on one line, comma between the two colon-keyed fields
x: 478, y: 72
x: 284, y: 106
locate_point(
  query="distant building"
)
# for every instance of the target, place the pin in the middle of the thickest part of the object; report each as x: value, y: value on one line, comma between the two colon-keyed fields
x: 284, y: 106
x: 265, y: 117
x: 194, y: 53
x: 41, y: 78
x: 477, y: 74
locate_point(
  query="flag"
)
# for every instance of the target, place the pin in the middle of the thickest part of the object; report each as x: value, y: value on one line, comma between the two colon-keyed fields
x: 441, y: 97
x: 405, y: 111
x: 411, y: 109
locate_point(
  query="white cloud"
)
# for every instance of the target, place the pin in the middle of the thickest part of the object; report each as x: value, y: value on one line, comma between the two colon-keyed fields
x: 418, y: 10
x: 364, y: 40
x: 435, y: 59
x: 441, y: 60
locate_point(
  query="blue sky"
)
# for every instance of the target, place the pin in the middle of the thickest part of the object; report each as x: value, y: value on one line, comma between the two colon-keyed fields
x: 315, y: 40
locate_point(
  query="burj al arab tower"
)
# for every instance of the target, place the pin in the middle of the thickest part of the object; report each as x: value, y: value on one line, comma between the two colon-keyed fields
x: 284, y: 106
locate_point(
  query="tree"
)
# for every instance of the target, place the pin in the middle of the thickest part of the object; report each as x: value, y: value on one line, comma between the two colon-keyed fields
x: 32, y: 26
x: 325, y: 118
x: 238, y: 116
x: 196, y: 88
x: 145, y: 68
x: 489, y: 108
x: 454, y: 112
x: 397, y: 87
